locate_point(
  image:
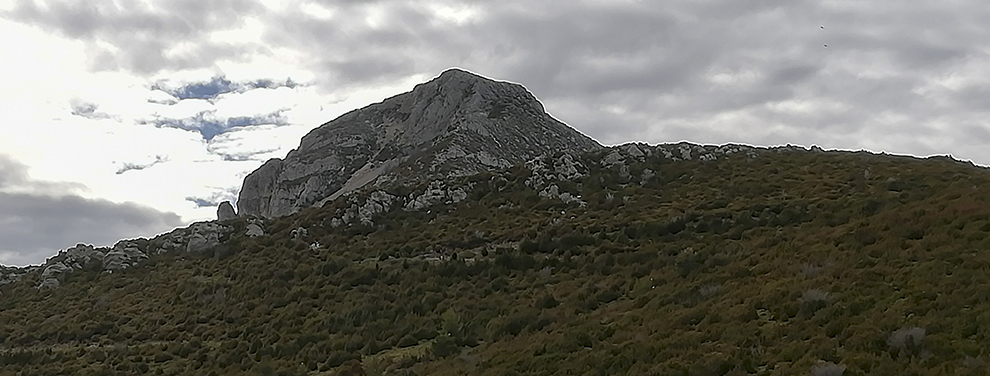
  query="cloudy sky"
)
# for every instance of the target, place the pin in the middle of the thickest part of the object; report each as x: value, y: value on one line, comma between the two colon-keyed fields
x: 127, y: 118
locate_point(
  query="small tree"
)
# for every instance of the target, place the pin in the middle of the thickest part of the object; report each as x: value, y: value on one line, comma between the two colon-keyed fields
x: 443, y: 346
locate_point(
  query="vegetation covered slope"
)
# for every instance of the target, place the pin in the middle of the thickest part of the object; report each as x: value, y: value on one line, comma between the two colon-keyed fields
x: 789, y: 263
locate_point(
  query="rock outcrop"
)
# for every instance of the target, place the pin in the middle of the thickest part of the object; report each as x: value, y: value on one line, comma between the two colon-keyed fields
x: 123, y: 255
x: 436, y: 193
x: 555, y: 176
x: 199, y: 237
x: 254, y: 228
x: 11, y: 274
x: 225, y: 211
x: 457, y: 124
x: 82, y: 256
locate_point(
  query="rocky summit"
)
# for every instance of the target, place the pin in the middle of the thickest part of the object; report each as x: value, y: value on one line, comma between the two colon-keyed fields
x: 457, y: 124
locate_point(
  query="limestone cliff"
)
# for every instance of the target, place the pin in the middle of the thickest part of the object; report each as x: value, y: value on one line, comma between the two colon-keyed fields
x: 454, y: 125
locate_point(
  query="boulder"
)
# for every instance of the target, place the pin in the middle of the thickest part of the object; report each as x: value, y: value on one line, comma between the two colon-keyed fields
x: 254, y: 230
x: 198, y: 237
x: 225, y: 211
x: 50, y: 276
x: 123, y: 255
x: 299, y: 233
x: 11, y: 274
x: 436, y: 193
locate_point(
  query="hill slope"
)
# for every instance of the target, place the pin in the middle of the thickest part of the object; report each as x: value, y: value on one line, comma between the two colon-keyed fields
x: 673, y: 259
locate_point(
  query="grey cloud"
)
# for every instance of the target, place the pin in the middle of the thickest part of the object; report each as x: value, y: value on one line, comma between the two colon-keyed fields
x: 793, y: 74
x: 207, y: 124
x: 653, y: 60
x: 214, y: 199
x: 167, y: 102
x: 39, y: 220
x: 241, y: 156
x: 127, y: 166
x: 618, y: 70
x: 87, y: 110
x: 143, y: 34
x: 216, y: 86
x: 976, y: 134
x: 201, y: 202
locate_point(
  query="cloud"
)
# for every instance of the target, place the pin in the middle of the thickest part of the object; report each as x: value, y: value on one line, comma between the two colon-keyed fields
x: 216, y: 86
x: 87, y: 110
x: 202, y: 202
x: 137, y: 166
x: 619, y: 70
x: 40, y: 218
x: 215, y: 198
x: 209, y: 125
x: 139, y: 37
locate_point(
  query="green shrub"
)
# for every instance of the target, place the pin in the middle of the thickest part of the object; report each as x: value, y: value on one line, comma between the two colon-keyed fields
x: 443, y: 346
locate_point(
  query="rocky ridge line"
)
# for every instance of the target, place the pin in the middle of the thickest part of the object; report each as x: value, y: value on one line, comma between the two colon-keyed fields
x: 547, y: 173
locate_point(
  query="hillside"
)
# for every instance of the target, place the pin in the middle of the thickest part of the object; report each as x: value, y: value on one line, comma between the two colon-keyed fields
x: 638, y: 260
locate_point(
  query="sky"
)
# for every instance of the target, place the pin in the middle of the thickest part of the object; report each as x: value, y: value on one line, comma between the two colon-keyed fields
x: 128, y: 118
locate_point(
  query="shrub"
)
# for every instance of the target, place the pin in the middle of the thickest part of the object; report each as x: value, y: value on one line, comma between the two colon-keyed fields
x: 407, y: 341
x: 828, y: 369
x: 865, y: 236
x: 814, y: 300
x: 443, y: 346
x: 906, y: 340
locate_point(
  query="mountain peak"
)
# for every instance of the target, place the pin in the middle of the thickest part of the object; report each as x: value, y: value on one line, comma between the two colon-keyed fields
x: 458, y: 73
x: 457, y: 124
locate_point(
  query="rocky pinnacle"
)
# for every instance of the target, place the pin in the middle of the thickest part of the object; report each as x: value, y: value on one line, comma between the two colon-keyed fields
x: 457, y: 124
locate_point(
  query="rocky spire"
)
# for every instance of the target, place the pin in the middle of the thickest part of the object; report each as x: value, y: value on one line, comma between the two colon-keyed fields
x: 225, y: 211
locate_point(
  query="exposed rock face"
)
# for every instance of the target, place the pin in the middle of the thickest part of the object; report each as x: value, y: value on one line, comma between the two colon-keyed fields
x: 436, y: 193
x: 685, y: 151
x: 225, y: 211
x: 11, y: 274
x: 550, y: 173
x: 254, y: 229
x: 75, y: 258
x: 363, y: 211
x: 50, y: 277
x: 123, y: 255
x: 546, y: 169
x: 299, y: 233
x: 457, y: 124
x: 198, y: 237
